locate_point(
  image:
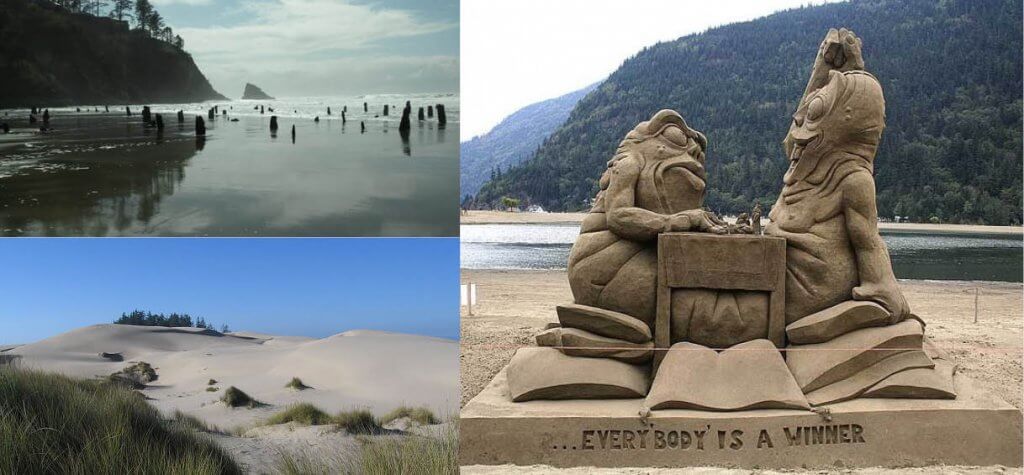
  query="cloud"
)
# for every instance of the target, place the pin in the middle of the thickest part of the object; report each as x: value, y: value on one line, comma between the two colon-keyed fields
x: 317, y: 37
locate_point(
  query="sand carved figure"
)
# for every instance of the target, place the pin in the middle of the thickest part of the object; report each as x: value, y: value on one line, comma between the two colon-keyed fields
x: 831, y: 264
x: 827, y: 210
x: 655, y: 183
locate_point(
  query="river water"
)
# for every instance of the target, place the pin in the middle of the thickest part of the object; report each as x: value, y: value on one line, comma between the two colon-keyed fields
x: 948, y: 256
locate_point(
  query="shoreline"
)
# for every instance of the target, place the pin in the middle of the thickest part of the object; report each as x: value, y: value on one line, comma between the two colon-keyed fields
x: 476, y: 217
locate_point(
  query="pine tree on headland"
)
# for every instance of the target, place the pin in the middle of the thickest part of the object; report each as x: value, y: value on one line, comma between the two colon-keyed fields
x: 143, y: 10
x: 121, y: 10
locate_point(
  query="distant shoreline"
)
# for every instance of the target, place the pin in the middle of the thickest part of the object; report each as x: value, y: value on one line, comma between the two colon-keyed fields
x: 504, y: 217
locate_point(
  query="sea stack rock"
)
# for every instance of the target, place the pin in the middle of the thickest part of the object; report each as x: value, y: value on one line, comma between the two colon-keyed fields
x: 147, y: 115
x: 365, y: 108
x: 273, y: 123
x: 385, y: 110
x: 159, y: 122
x: 210, y: 113
x: 316, y: 119
x: 430, y: 112
x: 344, y: 109
x: 253, y: 92
x: 420, y: 115
x: 441, y: 117
x: 128, y: 110
x: 328, y: 111
x: 181, y: 117
x: 200, y: 126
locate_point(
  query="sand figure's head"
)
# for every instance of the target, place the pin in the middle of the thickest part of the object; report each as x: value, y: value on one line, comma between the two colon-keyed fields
x: 666, y: 138
x: 843, y: 119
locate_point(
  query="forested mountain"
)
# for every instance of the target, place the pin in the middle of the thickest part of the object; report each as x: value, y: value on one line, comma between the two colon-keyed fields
x: 75, y: 53
x: 951, y: 71
x: 513, y: 140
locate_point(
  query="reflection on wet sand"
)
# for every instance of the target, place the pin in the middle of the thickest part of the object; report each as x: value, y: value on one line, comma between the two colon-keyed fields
x: 113, y: 174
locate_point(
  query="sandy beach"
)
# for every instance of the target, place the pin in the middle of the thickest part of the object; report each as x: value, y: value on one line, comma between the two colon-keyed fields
x: 358, y: 369
x: 504, y: 217
x: 515, y: 304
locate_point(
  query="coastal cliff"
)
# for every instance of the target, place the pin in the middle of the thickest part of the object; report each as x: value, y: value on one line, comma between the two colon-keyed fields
x: 50, y: 56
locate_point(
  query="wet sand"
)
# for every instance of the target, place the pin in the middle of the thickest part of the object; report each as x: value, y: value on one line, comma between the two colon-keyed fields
x: 106, y: 174
x: 504, y: 217
x: 516, y: 304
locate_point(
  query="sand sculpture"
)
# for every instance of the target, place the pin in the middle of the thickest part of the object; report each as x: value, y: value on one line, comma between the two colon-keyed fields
x: 652, y: 270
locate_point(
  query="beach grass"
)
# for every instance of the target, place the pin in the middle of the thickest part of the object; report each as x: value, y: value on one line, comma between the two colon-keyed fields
x: 304, y: 414
x: 382, y: 455
x: 51, y: 423
x: 420, y: 415
x: 358, y: 422
x: 235, y: 397
x: 412, y: 454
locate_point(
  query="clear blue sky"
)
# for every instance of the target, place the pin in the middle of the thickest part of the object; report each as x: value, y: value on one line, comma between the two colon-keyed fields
x: 308, y: 287
x: 321, y: 47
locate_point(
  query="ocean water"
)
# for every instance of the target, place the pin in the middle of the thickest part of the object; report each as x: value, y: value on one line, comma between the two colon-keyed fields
x: 948, y: 256
x: 105, y: 174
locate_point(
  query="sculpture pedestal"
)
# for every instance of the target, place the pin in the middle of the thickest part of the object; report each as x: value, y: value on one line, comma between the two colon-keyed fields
x: 974, y: 429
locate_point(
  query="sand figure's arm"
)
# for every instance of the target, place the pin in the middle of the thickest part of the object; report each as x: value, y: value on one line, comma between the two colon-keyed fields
x: 877, y: 281
x: 627, y: 220
x: 840, y: 51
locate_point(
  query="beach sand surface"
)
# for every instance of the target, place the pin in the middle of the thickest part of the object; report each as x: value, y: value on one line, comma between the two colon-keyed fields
x: 357, y: 369
x: 514, y: 305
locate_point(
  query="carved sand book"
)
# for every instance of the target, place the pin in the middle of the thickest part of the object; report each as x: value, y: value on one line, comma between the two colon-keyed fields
x: 750, y: 375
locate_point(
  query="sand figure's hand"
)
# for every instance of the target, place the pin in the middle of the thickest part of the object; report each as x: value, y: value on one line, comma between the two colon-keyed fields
x: 695, y: 220
x: 841, y: 50
x: 889, y: 297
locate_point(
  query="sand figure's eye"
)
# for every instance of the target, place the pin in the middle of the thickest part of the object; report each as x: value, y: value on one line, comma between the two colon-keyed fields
x: 816, y: 108
x: 676, y: 135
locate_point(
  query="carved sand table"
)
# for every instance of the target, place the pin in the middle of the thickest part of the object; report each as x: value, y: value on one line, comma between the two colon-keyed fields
x: 693, y: 341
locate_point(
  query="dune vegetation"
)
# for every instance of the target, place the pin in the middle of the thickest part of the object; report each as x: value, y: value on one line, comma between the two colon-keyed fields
x: 51, y: 423
x: 420, y: 415
x: 303, y: 414
x: 383, y: 455
x: 235, y: 397
x: 355, y: 422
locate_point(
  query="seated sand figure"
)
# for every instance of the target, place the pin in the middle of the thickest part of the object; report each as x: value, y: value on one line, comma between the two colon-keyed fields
x: 848, y: 325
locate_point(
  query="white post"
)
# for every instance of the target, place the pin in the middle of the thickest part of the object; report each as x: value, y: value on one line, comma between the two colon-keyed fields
x: 975, y: 305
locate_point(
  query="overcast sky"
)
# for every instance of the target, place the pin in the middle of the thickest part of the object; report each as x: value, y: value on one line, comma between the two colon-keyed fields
x: 296, y: 48
x: 517, y: 52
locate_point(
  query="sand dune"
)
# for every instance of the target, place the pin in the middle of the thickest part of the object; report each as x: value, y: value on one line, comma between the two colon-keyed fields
x: 367, y: 369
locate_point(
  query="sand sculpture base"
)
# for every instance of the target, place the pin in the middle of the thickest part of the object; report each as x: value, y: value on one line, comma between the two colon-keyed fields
x: 974, y: 429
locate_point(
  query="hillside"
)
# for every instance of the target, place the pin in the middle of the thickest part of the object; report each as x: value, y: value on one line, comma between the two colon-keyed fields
x: 513, y: 140
x: 50, y: 56
x: 951, y: 71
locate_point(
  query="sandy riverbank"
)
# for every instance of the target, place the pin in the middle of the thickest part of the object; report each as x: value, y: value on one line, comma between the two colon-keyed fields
x: 372, y: 370
x: 502, y: 217
x: 515, y: 304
